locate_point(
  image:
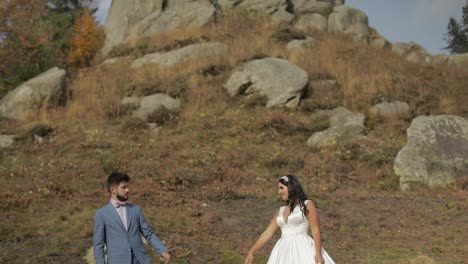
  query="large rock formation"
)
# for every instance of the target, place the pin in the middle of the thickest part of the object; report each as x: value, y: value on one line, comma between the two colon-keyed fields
x: 43, y: 90
x: 191, y: 53
x: 122, y: 16
x: 129, y: 20
x: 135, y: 19
x: 279, y: 80
x: 436, y: 152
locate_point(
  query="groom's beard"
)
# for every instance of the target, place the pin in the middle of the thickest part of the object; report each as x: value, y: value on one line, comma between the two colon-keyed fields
x: 122, y: 198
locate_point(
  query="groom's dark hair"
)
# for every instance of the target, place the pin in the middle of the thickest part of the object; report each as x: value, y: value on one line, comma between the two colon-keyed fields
x: 115, y: 179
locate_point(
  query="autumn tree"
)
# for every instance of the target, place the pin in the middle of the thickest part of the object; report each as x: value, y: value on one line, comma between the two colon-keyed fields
x: 87, y: 39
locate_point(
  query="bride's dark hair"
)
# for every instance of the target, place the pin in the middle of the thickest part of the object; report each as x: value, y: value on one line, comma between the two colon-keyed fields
x: 295, y: 193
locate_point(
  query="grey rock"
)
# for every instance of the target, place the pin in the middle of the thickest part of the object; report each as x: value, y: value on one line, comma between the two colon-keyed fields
x: 129, y: 20
x: 311, y: 21
x: 44, y: 90
x: 345, y: 127
x: 192, y: 53
x: 122, y: 16
x: 279, y: 80
x: 312, y: 6
x: 390, y: 110
x: 6, y: 141
x: 145, y: 106
x: 436, y: 152
x: 380, y: 43
x: 178, y: 14
x: 350, y: 21
x: 300, y: 44
x: 411, y: 51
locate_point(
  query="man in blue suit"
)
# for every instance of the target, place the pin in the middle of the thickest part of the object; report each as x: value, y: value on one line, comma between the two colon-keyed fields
x: 118, y: 226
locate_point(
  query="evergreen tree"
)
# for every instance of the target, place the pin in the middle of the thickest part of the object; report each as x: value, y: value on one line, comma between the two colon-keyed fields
x: 457, y: 33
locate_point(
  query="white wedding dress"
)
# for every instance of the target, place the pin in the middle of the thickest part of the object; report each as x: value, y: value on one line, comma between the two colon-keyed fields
x: 295, y: 245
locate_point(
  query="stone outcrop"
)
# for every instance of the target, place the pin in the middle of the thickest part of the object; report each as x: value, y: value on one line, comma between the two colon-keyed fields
x: 300, y: 44
x: 436, y: 152
x: 144, y: 107
x: 345, y: 127
x: 44, y: 90
x: 279, y: 80
x: 128, y: 20
x: 411, y: 51
x: 390, y: 111
x: 312, y: 21
x: 192, y: 53
x: 6, y: 141
x: 350, y: 21
x: 124, y: 15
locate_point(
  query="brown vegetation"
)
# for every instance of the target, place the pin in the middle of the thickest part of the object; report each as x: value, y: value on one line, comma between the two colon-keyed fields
x: 207, y: 179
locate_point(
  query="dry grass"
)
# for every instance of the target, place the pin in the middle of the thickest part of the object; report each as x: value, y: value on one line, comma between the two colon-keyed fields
x: 207, y: 179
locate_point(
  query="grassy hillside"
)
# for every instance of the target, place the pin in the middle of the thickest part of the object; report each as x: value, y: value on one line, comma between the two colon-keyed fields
x: 207, y: 179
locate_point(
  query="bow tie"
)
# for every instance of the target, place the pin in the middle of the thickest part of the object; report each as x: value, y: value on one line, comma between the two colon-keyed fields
x: 118, y: 204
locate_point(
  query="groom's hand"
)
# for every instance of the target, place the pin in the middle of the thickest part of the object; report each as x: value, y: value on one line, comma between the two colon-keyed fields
x: 166, y: 257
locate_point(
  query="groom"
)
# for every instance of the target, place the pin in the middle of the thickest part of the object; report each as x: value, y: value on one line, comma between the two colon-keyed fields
x: 118, y: 226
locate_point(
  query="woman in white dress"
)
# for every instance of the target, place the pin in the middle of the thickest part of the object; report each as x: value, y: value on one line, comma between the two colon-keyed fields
x: 295, y: 218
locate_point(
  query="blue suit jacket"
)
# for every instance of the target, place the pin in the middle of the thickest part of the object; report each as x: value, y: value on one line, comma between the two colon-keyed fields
x: 120, y: 243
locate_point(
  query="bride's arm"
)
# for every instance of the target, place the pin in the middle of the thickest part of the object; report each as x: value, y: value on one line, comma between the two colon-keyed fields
x: 264, y: 237
x: 313, y: 219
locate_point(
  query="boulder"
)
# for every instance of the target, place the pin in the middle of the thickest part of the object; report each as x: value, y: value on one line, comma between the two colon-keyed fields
x: 311, y: 6
x: 6, y: 141
x: 148, y: 105
x: 350, y: 21
x: 128, y: 20
x: 300, y: 44
x: 177, y: 15
x: 122, y: 16
x: 192, y: 53
x: 411, y: 51
x: 265, y: 6
x: 311, y: 21
x: 44, y: 90
x: 345, y: 127
x: 380, y: 43
x: 279, y: 80
x: 390, y: 111
x: 436, y: 152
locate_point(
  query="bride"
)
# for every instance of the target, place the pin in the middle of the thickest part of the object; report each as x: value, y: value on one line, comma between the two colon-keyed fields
x: 295, y: 245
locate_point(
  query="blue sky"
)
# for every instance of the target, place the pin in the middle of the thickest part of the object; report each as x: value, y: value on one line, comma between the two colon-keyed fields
x: 422, y: 21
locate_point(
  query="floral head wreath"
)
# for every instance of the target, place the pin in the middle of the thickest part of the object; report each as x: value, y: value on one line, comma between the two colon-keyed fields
x: 285, y: 178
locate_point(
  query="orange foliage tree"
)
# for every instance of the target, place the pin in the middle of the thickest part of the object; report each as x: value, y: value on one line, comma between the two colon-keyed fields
x: 87, y: 39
